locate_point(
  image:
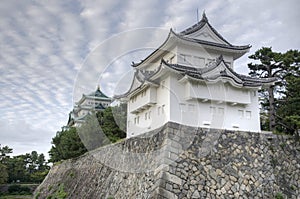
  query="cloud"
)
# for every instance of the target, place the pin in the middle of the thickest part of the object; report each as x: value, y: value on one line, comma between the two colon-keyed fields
x: 20, y: 136
x: 53, y: 51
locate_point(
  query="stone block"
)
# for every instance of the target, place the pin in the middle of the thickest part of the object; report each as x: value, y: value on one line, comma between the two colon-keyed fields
x: 172, y: 178
x: 162, y: 167
x: 196, y: 194
x: 166, y: 193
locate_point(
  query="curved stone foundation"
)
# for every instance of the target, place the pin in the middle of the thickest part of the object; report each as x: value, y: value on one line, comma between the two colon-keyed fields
x: 179, y: 161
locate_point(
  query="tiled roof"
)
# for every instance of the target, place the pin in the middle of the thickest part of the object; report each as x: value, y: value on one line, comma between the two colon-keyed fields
x: 98, y: 93
x: 200, y: 25
x: 198, y: 73
x: 99, y: 107
x: 142, y: 77
x: 184, y: 36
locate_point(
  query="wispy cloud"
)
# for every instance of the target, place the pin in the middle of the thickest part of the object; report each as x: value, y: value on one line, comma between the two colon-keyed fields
x: 53, y: 51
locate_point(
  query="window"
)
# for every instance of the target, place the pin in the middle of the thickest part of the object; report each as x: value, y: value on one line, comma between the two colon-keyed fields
x: 254, y: 93
x: 149, y: 114
x: 143, y: 93
x: 136, y: 120
x: 220, y: 87
x: 182, y: 107
x: 227, y: 88
x: 199, y: 61
x: 221, y: 111
x: 248, y: 114
x: 133, y: 99
x: 146, y: 116
x: 212, y: 110
x: 188, y: 59
x: 241, y: 113
x: 191, y: 108
x: 163, y: 109
x: 183, y: 58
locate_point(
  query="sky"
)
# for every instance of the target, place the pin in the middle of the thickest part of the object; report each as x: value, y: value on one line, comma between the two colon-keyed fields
x: 53, y: 51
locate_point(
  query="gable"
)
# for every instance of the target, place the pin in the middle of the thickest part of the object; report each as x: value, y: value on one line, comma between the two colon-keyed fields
x: 206, y: 34
x: 136, y: 83
x: 221, y: 69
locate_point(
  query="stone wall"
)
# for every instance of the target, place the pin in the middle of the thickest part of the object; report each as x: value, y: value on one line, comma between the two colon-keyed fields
x: 178, y: 161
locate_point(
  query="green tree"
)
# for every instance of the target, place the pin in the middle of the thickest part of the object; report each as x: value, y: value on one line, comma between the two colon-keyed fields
x: 36, y: 166
x: 104, y: 127
x: 91, y: 133
x: 17, y: 169
x: 66, y: 144
x: 112, y: 129
x: 120, y: 117
x: 99, y: 129
x: 29, y: 167
x: 3, y: 174
x: 269, y: 64
x: 289, y: 104
x: 4, y: 151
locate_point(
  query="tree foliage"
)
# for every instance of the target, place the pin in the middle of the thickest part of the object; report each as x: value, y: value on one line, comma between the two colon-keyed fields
x: 289, y: 104
x: 280, y: 101
x: 66, y: 144
x: 30, y: 167
x: 99, y: 129
x: 113, y: 122
x: 4, y: 157
x: 3, y: 174
x: 270, y: 65
x: 91, y: 134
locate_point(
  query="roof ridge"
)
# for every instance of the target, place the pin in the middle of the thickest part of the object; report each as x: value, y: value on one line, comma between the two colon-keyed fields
x: 199, y: 25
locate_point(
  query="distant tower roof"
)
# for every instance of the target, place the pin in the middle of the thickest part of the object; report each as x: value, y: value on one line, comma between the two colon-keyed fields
x: 98, y: 93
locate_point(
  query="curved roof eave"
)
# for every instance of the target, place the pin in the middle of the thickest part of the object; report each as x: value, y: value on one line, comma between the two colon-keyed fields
x: 131, y: 86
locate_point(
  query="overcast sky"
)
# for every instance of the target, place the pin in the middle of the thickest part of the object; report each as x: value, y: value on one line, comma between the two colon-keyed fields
x: 52, y: 51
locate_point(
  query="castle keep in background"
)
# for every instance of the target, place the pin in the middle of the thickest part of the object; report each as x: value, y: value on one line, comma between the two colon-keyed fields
x: 190, y: 80
x: 95, y: 101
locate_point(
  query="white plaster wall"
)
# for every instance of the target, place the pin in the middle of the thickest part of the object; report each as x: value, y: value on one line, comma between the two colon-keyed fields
x: 182, y: 111
x: 159, y: 113
x: 152, y: 65
x: 198, y: 51
x: 217, y: 92
x: 195, y: 112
